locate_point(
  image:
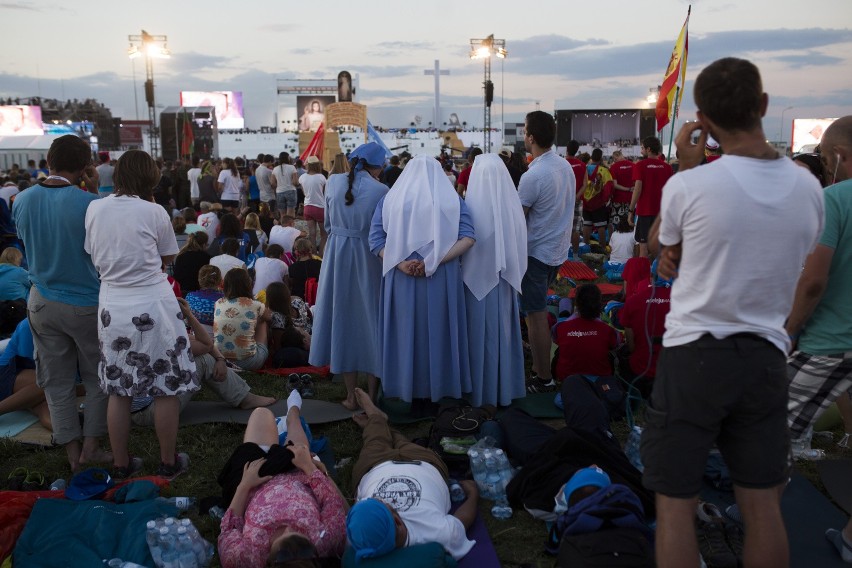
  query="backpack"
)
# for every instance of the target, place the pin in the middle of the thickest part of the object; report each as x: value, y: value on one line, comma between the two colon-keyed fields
x: 310, y: 291
x: 456, y: 419
x: 607, y: 528
x: 610, y: 548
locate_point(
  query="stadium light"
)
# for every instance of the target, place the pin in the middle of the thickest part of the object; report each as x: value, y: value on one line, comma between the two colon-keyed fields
x: 152, y: 47
x: 485, y: 49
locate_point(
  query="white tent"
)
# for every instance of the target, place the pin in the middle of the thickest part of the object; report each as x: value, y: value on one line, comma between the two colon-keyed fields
x: 19, y: 149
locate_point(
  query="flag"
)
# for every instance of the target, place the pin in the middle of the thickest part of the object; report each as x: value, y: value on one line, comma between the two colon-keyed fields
x: 373, y: 136
x: 316, y: 145
x: 676, y: 69
x: 187, y: 145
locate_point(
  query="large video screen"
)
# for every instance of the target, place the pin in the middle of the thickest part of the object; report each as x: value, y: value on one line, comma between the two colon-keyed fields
x: 20, y: 120
x: 807, y: 132
x: 229, y: 105
x: 311, y: 110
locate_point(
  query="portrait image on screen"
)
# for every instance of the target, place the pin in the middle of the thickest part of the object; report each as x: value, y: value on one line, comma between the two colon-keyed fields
x: 311, y: 110
x: 228, y: 105
x: 20, y: 120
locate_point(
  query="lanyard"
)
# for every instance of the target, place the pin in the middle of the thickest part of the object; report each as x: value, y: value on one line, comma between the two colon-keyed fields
x: 60, y: 178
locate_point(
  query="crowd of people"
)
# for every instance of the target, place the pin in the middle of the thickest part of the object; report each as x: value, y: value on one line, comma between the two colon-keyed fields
x: 433, y: 282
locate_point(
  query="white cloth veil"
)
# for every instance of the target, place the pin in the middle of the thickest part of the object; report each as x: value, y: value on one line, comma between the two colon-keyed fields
x: 420, y: 214
x: 501, y: 229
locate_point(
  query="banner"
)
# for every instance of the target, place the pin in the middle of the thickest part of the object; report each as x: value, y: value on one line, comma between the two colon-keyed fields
x: 677, y: 69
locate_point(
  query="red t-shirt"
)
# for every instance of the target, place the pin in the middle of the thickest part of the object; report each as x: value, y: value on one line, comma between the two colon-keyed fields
x: 584, y: 347
x: 653, y: 173
x: 636, y: 270
x: 464, y: 176
x: 579, y: 169
x: 622, y: 173
x: 646, y: 316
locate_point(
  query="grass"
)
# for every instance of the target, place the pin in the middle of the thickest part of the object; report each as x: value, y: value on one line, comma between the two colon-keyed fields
x: 519, y: 542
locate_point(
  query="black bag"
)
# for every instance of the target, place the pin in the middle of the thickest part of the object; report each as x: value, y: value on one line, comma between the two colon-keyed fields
x: 609, y: 548
x: 609, y: 390
x: 455, y: 420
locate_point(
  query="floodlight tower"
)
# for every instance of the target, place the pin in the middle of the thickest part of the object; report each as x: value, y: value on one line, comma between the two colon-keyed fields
x: 484, y: 49
x: 152, y: 47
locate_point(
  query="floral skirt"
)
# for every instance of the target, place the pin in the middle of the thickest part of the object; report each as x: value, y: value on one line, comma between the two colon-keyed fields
x: 143, y: 342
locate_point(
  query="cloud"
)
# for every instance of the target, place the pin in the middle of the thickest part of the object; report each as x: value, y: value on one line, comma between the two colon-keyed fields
x: 14, y: 6
x: 372, y: 71
x: 552, y: 43
x: 277, y: 28
x: 810, y: 59
x: 192, y: 62
x: 401, y: 46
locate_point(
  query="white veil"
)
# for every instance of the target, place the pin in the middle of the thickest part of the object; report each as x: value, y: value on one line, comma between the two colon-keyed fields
x: 420, y: 214
x: 501, y: 229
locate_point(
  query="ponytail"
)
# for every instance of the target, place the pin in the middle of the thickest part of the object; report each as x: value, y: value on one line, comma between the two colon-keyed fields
x: 353, y: 169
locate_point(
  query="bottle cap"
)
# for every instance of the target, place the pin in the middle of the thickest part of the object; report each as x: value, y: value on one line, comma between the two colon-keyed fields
x: 181, y: 530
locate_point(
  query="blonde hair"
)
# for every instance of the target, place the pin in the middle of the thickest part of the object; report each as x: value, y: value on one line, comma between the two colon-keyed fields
x: 11, y: 255
x: 315, y: 168
x: 209, y: 276
x: 340, y: 165
x: 252, y: 222
x: 303, y: 247
x: 196, y: 241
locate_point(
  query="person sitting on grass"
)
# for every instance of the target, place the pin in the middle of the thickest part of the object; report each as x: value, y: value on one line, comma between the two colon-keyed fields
x: 289, y: 344
x: 305, y: 266
x: 281, y: 503
x: 203, y: 301
x: 240, y: 323
x: 621, y: 245
x: 402, y: 497
x: 228, y: 259
x: 14, y: 280
x: 212, y: 371
x: 18, y: 388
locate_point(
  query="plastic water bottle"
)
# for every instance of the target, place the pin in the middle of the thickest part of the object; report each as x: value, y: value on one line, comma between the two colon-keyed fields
x: 477, y: 467
x: 168, y: 556
x: 152, y: 534
x: 59, y: 485
x: 493, y: 480
x: 456, y: 492
x: 506, y: 471
x: 119, y: 563
x: 182, y: 503
x: 217, y: 513
x: 186, y: 554
x: 501, y: 509
x: 631, y: 448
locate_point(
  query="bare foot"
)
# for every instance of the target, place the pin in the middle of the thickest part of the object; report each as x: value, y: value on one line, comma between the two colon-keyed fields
x: 360, y: 419
x: 369, y: 407
x: 252, y: 400
x: 350, y: 404
x: 98, y: 456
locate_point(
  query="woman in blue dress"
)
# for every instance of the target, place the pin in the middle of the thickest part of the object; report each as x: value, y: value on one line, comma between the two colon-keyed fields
x: 492, y: 273
x: 420, y: 229
x: 346, y: 316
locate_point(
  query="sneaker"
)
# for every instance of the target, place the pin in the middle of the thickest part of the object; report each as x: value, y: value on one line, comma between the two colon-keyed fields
x: 170, y: 472
x: 844, y: 442
x: 735, y: 537
x: 712, y: 544
x: 536, y: 385
x: 835, y: 537
x: 734, y: 515
x: 133, y: 467
x: 294, y: 381
x: 307, y: 386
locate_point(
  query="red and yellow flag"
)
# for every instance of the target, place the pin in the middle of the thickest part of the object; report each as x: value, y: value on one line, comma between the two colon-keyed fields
x: 676, y: 70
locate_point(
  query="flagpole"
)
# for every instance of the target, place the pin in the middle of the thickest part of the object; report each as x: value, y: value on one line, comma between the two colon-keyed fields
x: 674, y: 119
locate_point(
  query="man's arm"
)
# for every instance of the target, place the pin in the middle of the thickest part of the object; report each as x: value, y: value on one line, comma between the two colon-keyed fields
x: 809, y: 290
x: 466, y: 513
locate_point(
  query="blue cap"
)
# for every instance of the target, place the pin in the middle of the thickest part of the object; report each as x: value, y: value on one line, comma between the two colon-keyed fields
x: 658, y: 280
x: 88, y: 484
x: 370, y: 529
x: 371, y: 152
x: 592, y: 475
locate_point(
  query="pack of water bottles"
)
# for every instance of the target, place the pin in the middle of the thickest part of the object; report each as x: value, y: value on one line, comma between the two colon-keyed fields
x: 176, y: 543
x: 492, y: 473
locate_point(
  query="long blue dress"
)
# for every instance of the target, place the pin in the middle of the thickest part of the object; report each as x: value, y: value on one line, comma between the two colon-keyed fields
x: 346, y: 316
x: 422, y: 330
x: 496, y: 348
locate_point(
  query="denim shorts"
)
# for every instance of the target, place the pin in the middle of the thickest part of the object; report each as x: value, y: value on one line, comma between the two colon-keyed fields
x: 286, y: 199
x: 538, y: 277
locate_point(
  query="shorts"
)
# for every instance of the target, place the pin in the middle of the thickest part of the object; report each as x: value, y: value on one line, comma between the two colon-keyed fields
x: 643, y: 227
x: 286, y: 199
x: 229, y: 203
x: 731, y: 392
x: 578, y: 215
x: 314, y: 213
x: 537, y: 279
x: 256, y: 361
x: 815, y: 381
x: 278, y: 460
x: 596, y: 217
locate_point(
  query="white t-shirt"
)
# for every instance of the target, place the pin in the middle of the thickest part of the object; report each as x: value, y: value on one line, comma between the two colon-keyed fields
x: 264, y: 185
x: 232, y: 185
x: 192, y: 175
x: 126, y: 236
x: 266, y: 271
x: 724, y: 213
x: 284, y: 236
x: 421, y: 497
x: 225, y: 262
x: 210, y: 223
x: 621, y: 245
x: 314, y: 187
x: 283, y: 175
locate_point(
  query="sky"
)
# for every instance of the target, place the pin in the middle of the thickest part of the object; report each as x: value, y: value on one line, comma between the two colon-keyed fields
x: 562, y: 54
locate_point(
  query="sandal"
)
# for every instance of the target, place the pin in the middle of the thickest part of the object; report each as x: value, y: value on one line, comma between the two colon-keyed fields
x: 170, y: 472
x: 17, y: 478
x: 294, y: 381
x: 307, y: 387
